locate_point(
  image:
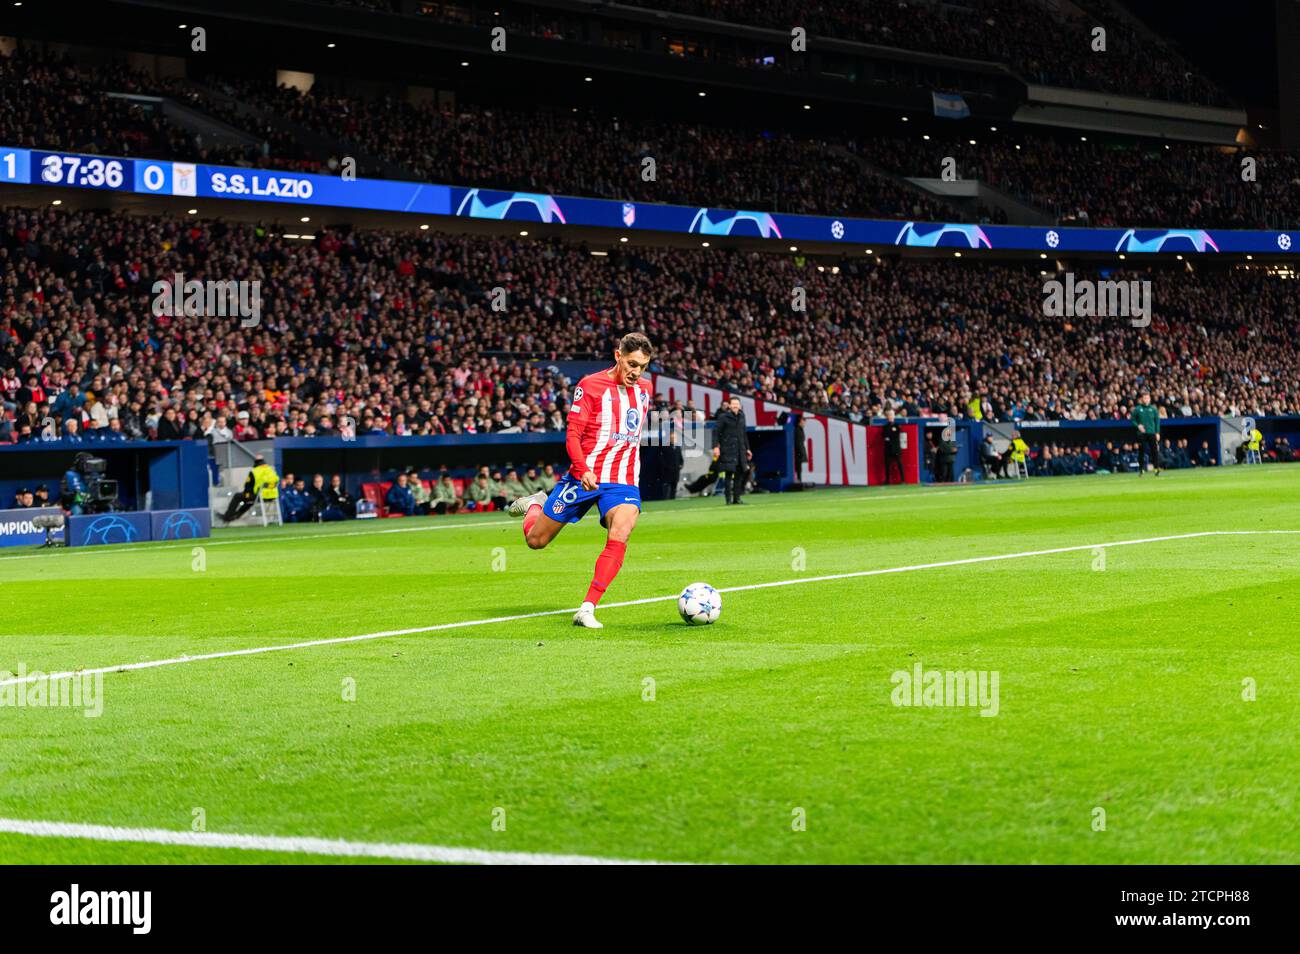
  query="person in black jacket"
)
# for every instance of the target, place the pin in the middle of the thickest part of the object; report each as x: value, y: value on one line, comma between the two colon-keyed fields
x: 731, y: 449
x: 800, y: 449
x: 893, y: 447
x: 169, y: 427
x: 339, y: 504
x: 317, y: 500
x: 670, y: 462
x: 945, y: 453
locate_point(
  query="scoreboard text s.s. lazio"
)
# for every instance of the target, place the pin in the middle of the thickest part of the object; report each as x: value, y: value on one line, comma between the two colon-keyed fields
x: 198, y: 180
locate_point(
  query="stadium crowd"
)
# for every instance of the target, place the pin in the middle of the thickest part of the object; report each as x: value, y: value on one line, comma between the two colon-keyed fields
x: 396, y: 333
x: 1033, y: 38
x: 52, y: 101
x: 1110, y: 184
x: 532, y: 150
x: 1129, y: 184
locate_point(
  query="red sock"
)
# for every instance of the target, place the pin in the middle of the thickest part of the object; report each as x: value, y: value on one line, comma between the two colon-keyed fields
x: 607, y: 566
x: 530, y: 518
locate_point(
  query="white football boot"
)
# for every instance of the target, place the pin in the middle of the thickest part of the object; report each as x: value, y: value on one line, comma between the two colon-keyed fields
x: 519, y: 508
x: 586, y: 616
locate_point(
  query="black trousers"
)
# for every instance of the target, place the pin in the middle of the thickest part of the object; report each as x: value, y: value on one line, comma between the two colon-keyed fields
x: 671, y: 478
x: 894, y: 460
x: 239, y: 505
x: 704, y: 480
x: 736, y: 475
x: 1148, y: 449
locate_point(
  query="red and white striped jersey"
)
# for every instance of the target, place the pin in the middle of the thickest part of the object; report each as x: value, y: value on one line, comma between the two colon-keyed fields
x: 604, y: 429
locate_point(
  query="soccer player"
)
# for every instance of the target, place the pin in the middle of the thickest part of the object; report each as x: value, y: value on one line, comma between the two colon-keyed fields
x: 603, y: 439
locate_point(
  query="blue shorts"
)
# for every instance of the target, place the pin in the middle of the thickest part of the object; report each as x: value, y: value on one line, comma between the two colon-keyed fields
x: 569, y: 503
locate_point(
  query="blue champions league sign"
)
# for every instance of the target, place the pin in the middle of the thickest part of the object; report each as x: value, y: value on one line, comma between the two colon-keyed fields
x: 159, y: 177
x: 180, y: 524
x: 101, y: 529
x: 17, y: 530
x: 868, y: 233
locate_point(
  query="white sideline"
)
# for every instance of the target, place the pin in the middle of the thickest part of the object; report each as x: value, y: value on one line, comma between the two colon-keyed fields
x: 301, y: 845
x: 281, y: 538
x: 336, y: 640
x: 470, y: 525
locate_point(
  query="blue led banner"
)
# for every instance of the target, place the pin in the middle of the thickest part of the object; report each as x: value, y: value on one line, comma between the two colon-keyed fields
x: 180, y: 524
x: 867, y: 233
x: 100, y: 529
x: 159, y: 177
x: 17, y: 529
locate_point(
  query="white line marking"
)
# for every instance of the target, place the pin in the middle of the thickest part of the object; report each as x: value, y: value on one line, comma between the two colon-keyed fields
x: 301, y: 845
x: 276, y: 538
x: 337, y: 640
x: 150, y: 547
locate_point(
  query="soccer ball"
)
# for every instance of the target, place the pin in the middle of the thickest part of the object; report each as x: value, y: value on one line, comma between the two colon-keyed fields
x: 700, y: 604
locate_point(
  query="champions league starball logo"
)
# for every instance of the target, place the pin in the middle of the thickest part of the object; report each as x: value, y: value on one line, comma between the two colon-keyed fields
x: 1198, y: 239
x: 703, y: 224
x: 910, y: 235
x: 109, y: 528
x: 179, y: 526
x: 548, y: 210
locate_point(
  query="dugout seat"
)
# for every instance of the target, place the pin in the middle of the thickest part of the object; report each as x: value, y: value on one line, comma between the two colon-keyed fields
x: 375, y: 494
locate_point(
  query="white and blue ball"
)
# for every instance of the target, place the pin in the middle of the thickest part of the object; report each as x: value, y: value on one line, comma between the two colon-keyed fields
x: 700, y: 604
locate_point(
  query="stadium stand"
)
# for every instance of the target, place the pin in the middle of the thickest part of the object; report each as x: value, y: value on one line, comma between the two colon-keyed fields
x: 1118, y: 181
x: 394, y: 329
x: 1029, y: 37
x: 1127, y: 183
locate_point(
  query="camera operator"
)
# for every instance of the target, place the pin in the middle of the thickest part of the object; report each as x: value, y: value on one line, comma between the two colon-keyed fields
x: 85, y: 489
x: 73, y: 496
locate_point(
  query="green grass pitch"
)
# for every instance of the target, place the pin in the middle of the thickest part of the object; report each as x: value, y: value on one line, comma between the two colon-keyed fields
x: 1122, y: 683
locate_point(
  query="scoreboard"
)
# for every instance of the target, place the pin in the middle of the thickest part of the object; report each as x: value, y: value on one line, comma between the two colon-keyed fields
x: 199, y: 180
